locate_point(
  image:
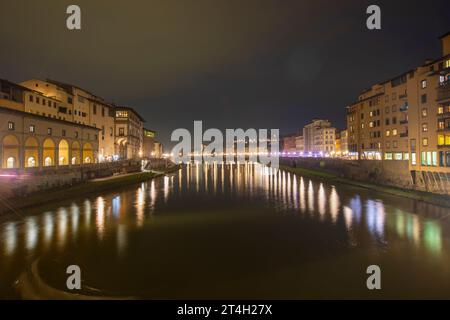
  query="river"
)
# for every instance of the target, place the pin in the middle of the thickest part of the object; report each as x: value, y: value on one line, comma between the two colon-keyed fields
x: 231, y: 231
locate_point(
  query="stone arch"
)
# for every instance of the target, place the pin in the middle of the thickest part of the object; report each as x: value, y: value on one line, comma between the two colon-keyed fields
x: 88, y: 153
x: 76, y: 153
x: 31, y: 153
x: 63, y: 153
x: 10, y: 154
x: 48, y: 152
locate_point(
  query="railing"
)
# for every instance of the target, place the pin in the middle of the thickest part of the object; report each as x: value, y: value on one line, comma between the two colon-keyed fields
x: 445, y: 129
x: 404, y: 108
x: 403, y: 121
x: 403, y: 134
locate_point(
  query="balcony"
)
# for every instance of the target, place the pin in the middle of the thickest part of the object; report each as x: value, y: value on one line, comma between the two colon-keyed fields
x: 403, y: 96
x: 404, y: 108
x: 443, y: 146
x: 444, y: 115
x: 403, y: 134
x: 445, y: 129
x: 405, y: 121
x: 443, y: 91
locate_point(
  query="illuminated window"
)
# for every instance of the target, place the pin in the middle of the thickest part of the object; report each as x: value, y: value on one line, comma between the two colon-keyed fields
x: 423, y: 158
x: 388, y: 156
x: 447, y: 139
x: 447, y: 63
x: 425, y: 142
x: 121, y: 114
x: 388, y: 133
x: 441, y: 139
x: 424, y: 112
x: 405, y: 156
x: 441, y: 110
x: 10, y: 162
x: 434, y: 158
x: 398, y: 156
x: 394, y: 132
x: 424, y: 127
x: 423, y: 84
x: 32, y: 128
x: 429, y: 158
x: 413, y: 159
x: 11, y: 125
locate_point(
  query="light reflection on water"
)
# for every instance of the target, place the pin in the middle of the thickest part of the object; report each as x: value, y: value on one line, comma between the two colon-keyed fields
x: 116, y: 214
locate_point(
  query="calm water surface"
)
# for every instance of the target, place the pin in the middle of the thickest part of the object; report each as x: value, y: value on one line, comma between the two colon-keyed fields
x: 246, y: 231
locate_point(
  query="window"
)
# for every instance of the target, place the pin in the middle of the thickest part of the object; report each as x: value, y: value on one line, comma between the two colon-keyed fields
x: 424, y: 127
x: 10, y: 163
x: 394, y: 132
x: 423, y: 98
x: 423, y: 158
x: 387, y: 121
x: 43, y: 102
x: 441, y: 139
x: 425, y: 142
x: 413, y: 144
x: 395, y: 144
x: 388, y: 133
x: 69, y: 100
x: 423, y: 84
x: 80, y: 99
x: 49, y: 131
x: 371, y: 124
x: 124, y: 114
x: 63, y: 133
x: 394, y: 96
x: 440, y: 110
x: 31, y: 98
x: 32, y: 128
x: 394, y: 120
x: 103, y: 111
x: 394, y: 108
x: 76, y: 134
x: 398, y: 156
x: 447, y: 63
x: 428, y: 158
x: 434, y: 158
x: 388, y: 156
x: 424, y: 112
x: 413, y: 158
x: 37, y: 100
x: 11, y: 125
x: 387, y: 109
x: 94, y: 109
x: 388, y: 145
x: 121, y: 132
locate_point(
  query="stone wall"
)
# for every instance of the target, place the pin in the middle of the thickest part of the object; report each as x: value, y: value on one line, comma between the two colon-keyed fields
x: 20, y: 182
x: 391, y: 173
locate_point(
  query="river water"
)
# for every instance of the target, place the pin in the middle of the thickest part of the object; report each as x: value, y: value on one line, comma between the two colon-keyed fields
x: 239, y: 231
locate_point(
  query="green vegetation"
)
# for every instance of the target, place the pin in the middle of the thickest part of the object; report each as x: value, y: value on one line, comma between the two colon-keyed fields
x: 429, y: 197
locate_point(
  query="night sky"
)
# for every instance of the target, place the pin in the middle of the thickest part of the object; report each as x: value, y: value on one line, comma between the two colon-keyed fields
x: 230, y: 63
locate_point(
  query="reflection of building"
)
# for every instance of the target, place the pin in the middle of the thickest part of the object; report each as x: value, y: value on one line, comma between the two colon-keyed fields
x: 30, y: 140
x: 129, y: 133
x: 319, y: 137
x: 407, y: 118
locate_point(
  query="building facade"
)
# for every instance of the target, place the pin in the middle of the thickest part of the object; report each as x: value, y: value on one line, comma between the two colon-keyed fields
x: 129, y: 133
x: 30, y: 140
x: 319, y: 137
x: 406, y: 118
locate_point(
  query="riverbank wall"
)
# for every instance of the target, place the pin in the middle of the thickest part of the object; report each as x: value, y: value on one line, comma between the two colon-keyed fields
x: 388, y: 173
x: 22, y: 182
